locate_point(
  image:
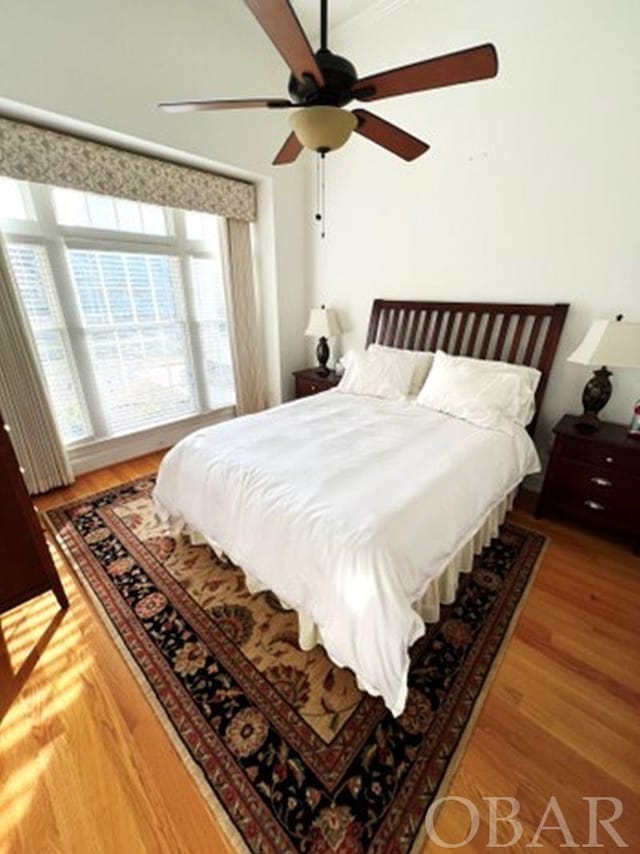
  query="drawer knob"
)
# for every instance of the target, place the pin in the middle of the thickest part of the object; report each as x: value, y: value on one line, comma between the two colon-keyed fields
x: 593, y: 505
x: 608, y: 460
x: 313, y: 387
x: 600, y: 481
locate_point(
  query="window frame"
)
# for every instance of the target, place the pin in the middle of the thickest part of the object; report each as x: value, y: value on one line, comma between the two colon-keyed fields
x: 56, y: 239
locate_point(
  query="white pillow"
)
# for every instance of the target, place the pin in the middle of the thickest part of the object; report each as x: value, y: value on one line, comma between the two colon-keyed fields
x: 523, y: 406
x: 420, y: 361
x: 489, y: 394
x: 376, y: 373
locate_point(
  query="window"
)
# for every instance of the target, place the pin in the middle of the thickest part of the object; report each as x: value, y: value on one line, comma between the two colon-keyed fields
x: 126, y: 305
x: 200, y: 226
x: 211, y: 322
x: 133, y: 314
x: 33, y: 275
x: 14, y: 202
x: 92, y: 211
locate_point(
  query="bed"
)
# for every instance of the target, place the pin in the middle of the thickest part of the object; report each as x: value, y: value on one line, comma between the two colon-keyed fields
x: 360, y: 512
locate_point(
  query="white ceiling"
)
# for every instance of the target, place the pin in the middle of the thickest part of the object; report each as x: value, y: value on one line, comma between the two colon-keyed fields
x: 339, y: 11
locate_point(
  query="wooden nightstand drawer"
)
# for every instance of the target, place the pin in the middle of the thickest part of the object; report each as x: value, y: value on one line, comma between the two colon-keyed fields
x: 594, y: 492
x: 597, y: 510
x: 310, y: 382
x: 305, y: 387
x: 600, y: 454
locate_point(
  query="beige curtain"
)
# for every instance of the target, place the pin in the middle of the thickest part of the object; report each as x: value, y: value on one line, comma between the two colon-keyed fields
x: 24, y: 403
x: 246, y: 341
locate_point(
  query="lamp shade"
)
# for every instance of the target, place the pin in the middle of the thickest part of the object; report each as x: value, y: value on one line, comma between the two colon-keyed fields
x: 323, y: 128
x: 615, y: 343
x: 323, y: 323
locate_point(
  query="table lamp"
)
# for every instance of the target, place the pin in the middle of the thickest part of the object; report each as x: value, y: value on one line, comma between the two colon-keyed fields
x: 608, y: 342
x: 323, y: 323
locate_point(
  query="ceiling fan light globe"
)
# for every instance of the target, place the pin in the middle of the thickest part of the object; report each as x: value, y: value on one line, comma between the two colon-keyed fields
x: 323, y: 128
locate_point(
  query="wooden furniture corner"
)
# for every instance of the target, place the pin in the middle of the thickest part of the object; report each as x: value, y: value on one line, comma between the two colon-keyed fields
x: 27, y: 569
x: 310, y: 381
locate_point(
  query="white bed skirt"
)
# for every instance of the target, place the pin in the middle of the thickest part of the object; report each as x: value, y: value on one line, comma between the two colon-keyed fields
x: 441, y: 591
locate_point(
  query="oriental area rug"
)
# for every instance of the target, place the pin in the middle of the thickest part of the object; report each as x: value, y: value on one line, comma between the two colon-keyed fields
x: 288, y: 752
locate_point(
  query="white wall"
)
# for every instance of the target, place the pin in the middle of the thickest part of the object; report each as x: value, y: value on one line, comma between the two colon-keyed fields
x: 109, y: 63
x: 531, y: 190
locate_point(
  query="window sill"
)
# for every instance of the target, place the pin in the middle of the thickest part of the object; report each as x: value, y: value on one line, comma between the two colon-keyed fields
x: 90, y: 456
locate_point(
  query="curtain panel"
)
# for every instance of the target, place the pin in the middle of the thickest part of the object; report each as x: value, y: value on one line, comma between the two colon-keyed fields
x: 32, y: 153
x: 24, y: 403
x: 246, y: 340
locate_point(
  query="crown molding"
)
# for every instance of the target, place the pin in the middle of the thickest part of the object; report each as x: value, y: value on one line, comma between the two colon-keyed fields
x: 18, y: 111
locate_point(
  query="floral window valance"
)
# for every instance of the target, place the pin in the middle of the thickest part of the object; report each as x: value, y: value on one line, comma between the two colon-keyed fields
x: 32, y: 153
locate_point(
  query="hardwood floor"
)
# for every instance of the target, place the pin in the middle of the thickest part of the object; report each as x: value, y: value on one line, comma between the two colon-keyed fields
x: 86, y: 767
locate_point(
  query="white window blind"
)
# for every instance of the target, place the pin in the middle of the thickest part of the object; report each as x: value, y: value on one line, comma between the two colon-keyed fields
x: 133, y: 312
x: 126, y: 304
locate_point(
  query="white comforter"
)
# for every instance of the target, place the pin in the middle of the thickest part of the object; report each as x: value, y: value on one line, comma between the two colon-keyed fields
x: 346, y: 507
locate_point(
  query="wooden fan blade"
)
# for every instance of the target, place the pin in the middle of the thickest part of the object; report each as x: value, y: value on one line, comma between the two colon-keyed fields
x: 280, y: 23
x: 475, y: 63
x: 224, y: 104
x: 289, y: 151
x: 389, y: 136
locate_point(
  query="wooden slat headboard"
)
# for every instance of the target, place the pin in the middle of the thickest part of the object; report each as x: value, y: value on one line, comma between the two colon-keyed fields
x: 521, y: 333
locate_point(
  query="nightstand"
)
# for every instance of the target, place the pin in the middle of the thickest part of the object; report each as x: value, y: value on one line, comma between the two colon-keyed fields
x: 594, y: 478
x: 310, y: 382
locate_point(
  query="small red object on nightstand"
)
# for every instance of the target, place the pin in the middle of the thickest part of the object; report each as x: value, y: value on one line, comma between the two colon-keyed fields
x: 634, y: 427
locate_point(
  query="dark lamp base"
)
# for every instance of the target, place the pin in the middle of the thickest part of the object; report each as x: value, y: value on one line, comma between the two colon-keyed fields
x: 587, y: 423
x: 322, y: 354
x: 595, y: 397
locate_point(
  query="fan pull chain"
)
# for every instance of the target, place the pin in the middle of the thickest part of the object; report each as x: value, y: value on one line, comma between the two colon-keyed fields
x: 321, y: 192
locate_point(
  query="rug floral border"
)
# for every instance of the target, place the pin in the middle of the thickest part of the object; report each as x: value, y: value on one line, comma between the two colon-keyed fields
x: 223, y: 778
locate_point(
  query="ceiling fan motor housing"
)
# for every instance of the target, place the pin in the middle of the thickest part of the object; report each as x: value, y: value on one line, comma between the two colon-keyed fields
x: 339, y: 75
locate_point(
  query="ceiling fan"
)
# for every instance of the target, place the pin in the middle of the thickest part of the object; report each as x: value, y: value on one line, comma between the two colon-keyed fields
x: 322, y: 83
